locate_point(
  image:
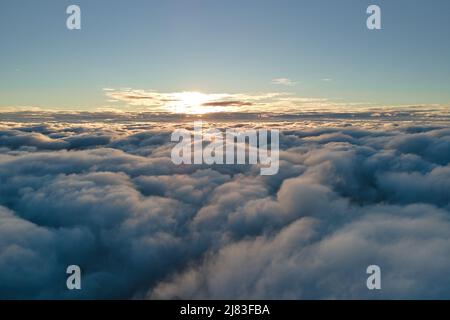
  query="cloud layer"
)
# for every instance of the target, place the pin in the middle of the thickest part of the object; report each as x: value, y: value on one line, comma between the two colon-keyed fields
x: 106, y: 196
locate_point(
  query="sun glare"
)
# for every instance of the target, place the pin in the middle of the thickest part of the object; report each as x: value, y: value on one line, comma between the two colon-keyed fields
x: 193, y: 102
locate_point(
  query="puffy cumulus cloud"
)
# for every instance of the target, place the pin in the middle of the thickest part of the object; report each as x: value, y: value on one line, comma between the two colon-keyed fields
x: 106, y: 196
x: 304, y: 261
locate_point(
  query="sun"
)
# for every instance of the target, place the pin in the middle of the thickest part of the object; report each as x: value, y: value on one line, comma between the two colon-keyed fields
x: 193, y: 98
x: 193, y: 102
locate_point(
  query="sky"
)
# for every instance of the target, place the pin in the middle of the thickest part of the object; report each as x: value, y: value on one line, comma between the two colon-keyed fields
x: 310, y: 49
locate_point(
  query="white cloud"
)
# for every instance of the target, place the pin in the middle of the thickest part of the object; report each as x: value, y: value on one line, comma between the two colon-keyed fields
x: 105, y: 195
x: 284, y: 82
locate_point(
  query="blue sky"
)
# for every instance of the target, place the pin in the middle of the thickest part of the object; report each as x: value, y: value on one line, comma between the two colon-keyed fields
x: 224, y: 47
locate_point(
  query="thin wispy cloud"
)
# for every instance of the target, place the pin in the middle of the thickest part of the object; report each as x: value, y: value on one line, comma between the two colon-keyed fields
x: 200, y: 103
x: 195, y: 102
x: 284, y: 82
